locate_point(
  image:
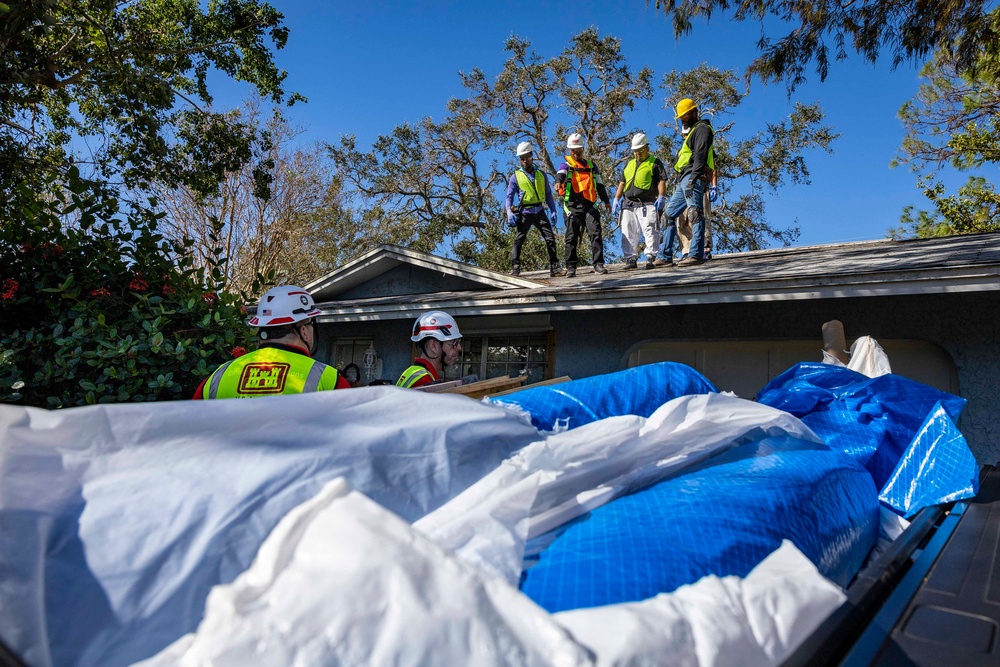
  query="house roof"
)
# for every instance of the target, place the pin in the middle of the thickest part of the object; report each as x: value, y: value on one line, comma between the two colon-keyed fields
x: 387, y: 258
x: 966, y: 263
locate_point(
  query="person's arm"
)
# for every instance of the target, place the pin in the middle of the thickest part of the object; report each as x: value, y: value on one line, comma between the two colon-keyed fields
x: 512, y: 189
x: 602, y: 191
x: 550, y: 202
x: 661, y: 174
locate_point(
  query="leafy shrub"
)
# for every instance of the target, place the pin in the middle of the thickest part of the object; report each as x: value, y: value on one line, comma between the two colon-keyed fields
x: 104, y: 309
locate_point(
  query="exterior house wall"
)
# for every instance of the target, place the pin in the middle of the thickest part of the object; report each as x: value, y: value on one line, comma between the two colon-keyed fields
x: 592, y: 342
x: 963, y: 325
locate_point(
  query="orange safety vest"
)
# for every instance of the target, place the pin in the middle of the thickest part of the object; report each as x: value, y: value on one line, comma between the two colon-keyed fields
x: 582, y: 179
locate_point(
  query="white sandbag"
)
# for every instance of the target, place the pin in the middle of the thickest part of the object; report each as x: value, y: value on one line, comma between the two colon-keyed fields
x: 341, y: 581
x: 116, y: 520
x: 868, y: 358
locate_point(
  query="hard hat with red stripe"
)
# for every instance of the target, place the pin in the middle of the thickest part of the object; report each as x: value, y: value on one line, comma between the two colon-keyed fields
x: 284, y: 305
x: 435, y: 324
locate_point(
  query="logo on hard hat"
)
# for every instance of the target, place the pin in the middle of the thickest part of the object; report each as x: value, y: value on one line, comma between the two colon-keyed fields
x: 304, y: 300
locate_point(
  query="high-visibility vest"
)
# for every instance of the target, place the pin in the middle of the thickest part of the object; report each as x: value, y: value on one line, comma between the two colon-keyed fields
x: 582, y: 179
x: 641, y: 177
x: 684, y: 154
x: 532, y: 194
x: 412, y: 375
x: 270, y: 371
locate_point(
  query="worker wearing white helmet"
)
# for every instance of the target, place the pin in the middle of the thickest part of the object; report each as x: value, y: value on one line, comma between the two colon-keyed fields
x: 283, y: 363
x: 530, y: 186
x: 436, y: 334
x: 639, y: 200
x: 578, y: 182
x: 695, y: 166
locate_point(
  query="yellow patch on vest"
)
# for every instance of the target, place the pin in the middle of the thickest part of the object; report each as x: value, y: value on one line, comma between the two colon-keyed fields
x: 263, y: 378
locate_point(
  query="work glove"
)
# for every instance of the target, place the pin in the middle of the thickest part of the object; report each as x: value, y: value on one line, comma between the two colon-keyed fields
x: 660, y: 204
x: 616, y: 206
x: 511, y: 219
x: 552, y: 216
x: 713, y: 194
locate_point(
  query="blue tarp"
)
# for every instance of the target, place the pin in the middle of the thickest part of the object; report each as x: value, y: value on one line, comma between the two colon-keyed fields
x: 888, y: 439
x: 635, y: 391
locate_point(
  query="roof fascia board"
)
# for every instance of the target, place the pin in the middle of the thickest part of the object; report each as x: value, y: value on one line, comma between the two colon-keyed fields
x: 785, y: 290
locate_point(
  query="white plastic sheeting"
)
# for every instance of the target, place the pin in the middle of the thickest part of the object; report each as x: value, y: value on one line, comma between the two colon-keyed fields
x: 867, y: 358
x: 116, y: 520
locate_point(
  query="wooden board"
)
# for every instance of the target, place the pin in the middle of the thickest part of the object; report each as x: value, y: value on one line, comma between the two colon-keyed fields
x: 543, y: 383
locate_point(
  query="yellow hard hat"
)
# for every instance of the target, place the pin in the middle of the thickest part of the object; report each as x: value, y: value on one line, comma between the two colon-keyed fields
x: 684, y: 106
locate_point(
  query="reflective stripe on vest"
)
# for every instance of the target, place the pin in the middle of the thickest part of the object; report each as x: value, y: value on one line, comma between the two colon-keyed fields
x: 582, y: 179
x: 684, y: 154
x: 644, y: 178
x: 270, y: 372
x: 411, y: 375
x: 532, y: 194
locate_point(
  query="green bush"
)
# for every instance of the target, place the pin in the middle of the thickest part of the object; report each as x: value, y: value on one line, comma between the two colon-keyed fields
x: 103, y: 309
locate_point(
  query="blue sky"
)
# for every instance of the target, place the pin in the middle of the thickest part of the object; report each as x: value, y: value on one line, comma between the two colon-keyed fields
x: 367, y: 67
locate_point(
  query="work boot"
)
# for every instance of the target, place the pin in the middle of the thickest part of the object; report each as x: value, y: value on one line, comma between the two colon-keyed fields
x: 516, y: 270
x: 555, y: 270
x: 599, y: 268
x: 663, y: 262
x: 630, y: 264
x: 691, y: 261
x: 571, y: 272
x: 649, y: 263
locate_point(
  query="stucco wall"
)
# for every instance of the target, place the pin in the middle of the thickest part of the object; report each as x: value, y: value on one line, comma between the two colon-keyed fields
x: 964, y: 325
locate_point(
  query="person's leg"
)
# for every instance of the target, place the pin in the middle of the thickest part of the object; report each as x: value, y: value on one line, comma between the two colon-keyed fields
x: 668, y: 239
x: 545, y: 229
x: 521, y: 233
x: 592, y: 219
x: 696, y: 217
x: 573, y: 229
x: 650, y: 233
x: 630, y: 236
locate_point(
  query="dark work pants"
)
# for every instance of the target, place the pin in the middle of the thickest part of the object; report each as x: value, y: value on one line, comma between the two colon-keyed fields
x: 525, y: 222
x: 580, y: 218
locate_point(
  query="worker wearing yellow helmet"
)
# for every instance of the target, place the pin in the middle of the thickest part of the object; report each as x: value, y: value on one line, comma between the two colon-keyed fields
x: 694, y: 166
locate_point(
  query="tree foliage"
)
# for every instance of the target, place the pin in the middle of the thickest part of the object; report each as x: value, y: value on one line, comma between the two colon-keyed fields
x: 748, y: 165
x: 130, y: 79
x: 825, y: 31
x: 952, y: 121
x: 106, y: 310
x: 441, y: 183
x: 288, y: 233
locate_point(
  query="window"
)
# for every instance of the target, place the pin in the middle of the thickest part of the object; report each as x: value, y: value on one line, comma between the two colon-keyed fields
x: 496, y: 355
x: 347, y: 351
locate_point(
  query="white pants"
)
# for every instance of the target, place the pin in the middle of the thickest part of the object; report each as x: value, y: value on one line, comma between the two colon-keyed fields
x: 639, y: 224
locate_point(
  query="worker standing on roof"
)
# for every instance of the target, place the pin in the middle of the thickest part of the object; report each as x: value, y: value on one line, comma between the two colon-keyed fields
x: 436, y: 334
x: 535, y: 198
x: 283, y: 363
x: 579, y: 203
x: 639, y: 199
x: 695, y: 162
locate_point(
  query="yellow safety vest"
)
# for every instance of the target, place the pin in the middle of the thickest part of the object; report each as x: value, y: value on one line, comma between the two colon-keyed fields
x: 537, y: 190
x: 412, y: 375
x: 270, y: 371
x: 684, y: 154
x: 641, y: 177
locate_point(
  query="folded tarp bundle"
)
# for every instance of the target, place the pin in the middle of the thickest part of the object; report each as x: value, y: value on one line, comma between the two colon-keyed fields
x: 634, y: 391
x: 902, y: 431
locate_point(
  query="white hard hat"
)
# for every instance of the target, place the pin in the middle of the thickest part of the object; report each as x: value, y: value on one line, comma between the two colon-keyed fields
x: 575, y: 140
x: 524, y: 148
x: 435, y: 324
x: 283, y: 305
x: 639, y: 140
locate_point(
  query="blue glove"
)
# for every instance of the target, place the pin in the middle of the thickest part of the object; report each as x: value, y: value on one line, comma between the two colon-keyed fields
x: 511, y: 219
x: 552, y: 216
x: 713, y: 194
x: 660, y: 204
x: 616, y: 206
